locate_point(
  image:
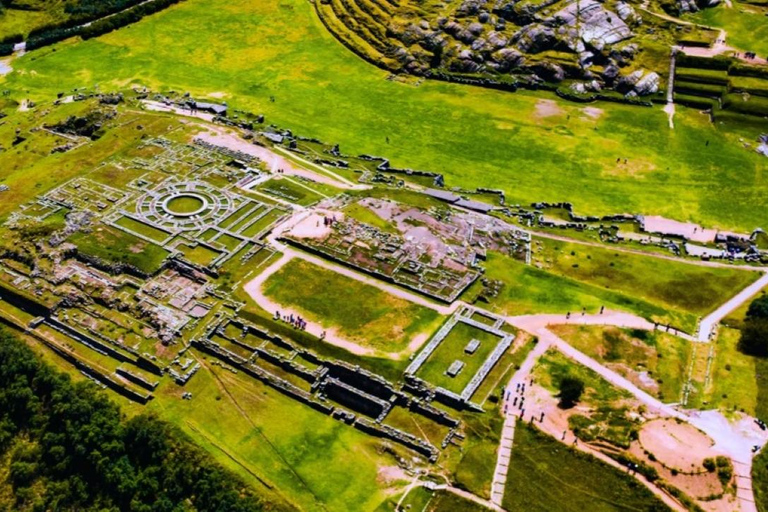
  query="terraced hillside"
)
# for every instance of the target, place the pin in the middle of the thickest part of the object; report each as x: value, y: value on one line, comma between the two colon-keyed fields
x: 581, y: 48
x: 730, y: 90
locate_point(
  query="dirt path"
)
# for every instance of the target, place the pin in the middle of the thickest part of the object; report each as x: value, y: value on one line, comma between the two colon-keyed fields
x: 274, y: 161
x: 447, y: 488
x: 323, y: 170
x: 708, y: 324
x: 508, y: 431
x: 733, y: 439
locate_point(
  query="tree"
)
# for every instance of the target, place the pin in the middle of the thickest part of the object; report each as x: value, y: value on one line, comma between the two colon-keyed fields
x: 754, y: 334
x: 571, y: 389
x: 759, y: 307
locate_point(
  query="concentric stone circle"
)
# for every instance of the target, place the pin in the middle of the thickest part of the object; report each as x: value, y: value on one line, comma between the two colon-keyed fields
x: 215, y: 205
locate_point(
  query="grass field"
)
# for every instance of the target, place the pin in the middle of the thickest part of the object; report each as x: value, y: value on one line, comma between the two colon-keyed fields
x: 278, y: 60
x: 560, y: 287
x: 546, y: 475
x: 736, y: 383
x: 113, y: 245
x: 452, y: 349
x: 686, y: 289
x: 747, y: 25
x: 553, y: 366
x: 663, y: 356
x: 362, y: 313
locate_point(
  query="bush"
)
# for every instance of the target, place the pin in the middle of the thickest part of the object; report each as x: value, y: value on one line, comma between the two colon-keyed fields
x: 571, y: 389
x: 754, y: 106
x: 694, y: 61
x: 754, y: 334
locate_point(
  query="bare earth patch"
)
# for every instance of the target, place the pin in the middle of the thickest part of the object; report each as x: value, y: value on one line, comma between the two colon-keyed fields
x: 677, y: 445
x: 593, y: 112
x: 547, y: 108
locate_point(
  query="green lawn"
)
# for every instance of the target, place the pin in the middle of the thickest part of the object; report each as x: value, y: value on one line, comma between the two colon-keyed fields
x: 529, y: 290
x: 113, y: 245
x: 663, y: 356
x: 747, y: 25
x: 277, y: 59
x: 686, y: 289
x: 361, y: 312
x: 452, y: 349
x: 735, y: 384
x: 546, y: 475
x: 143, y: 228
x: 367, y: 216
x: 553, y: 366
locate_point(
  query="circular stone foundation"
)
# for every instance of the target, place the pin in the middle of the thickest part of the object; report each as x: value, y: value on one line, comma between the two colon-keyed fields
x: 185, y: 204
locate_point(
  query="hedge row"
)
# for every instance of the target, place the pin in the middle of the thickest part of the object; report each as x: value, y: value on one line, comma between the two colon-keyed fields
x: 703, y: 76
x: 699, y: 89
x: 99, y: 27
x: 12, y: 39
x: 124, y: 18
x: 694, y: 61
x: 695, y: 101
x: 747, y: 70
x: 755, y: 106
x: 6, y: 49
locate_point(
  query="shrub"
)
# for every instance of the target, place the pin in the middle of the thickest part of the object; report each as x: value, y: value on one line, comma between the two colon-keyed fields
x: 571, y: 389
x: 754, y: 334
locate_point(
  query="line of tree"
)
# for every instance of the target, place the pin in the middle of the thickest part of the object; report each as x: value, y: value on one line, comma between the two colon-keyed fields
x: 134, y: 10
x: 66, y: 446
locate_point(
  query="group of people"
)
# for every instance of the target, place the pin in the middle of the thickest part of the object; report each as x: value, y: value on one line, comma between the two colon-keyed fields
x: 519, y: 401
x: 296, y: 321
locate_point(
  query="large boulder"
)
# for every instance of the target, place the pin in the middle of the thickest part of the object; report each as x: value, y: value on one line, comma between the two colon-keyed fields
x: 648, y: 84
x: 535, y: 39
x: 627, y: 13
x: 496, y: 40
x: 508, y: 58
x: 595, y: 25
x: 548, y: 71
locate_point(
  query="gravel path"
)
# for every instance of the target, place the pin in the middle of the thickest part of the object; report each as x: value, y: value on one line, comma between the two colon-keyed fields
x: 708, y: 323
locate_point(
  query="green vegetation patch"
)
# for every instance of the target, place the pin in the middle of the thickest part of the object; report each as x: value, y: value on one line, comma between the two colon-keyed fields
x: 114, y: 245
x: 662, y: 357
x: 143, y: 228
x: 452, y: 349
x: 200, y: 254
x: 362, y: 313
x: 690, y: 290
x: 546, y: 475
x: 529, y: 290
x: 185, y: 204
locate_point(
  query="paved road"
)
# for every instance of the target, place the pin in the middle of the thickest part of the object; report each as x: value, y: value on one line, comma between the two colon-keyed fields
x: 708, y: 323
